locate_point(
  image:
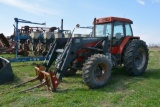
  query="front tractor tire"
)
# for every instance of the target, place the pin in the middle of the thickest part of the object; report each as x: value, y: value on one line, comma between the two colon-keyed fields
x: 136, y: 58
x: 96, y: 71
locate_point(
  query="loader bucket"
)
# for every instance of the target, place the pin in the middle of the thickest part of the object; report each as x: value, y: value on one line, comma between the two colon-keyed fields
x: 6, y: 73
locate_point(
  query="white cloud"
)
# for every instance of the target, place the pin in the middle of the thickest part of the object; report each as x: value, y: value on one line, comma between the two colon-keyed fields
x: 141, y: 2
x: 29, y: 7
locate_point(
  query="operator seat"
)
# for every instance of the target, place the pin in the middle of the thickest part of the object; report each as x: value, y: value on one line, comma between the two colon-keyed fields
x: 118, y: 36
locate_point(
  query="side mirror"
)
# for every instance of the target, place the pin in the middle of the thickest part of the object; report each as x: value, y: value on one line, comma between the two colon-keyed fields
x: 78, y: 26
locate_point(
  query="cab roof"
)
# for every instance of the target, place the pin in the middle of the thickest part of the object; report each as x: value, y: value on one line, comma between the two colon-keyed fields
x: 112, y: 19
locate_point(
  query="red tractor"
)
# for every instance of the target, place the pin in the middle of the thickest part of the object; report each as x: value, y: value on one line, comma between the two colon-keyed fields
x: 111, y: 44
x: 125, y: 48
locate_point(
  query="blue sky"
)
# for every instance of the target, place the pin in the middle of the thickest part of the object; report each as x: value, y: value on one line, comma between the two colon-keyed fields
x: 144, y: 13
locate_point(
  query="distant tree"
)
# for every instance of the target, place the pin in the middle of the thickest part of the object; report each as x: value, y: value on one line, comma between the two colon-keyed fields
x: 154, y: 45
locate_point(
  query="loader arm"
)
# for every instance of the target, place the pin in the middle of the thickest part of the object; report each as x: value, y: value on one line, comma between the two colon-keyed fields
x: 59, y: 43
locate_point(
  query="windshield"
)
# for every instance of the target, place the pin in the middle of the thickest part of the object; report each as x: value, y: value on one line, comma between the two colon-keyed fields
x: 103, y: 30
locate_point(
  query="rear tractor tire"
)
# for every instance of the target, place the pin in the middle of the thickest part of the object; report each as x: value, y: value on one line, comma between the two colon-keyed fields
x: 96, y: 71
x: 136, y: 58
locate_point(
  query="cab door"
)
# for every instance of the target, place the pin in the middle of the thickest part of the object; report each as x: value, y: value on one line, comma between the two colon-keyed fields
x: 117, y: 36
x: 120, y: 31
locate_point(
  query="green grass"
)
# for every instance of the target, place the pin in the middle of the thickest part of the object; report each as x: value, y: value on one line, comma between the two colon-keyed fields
x: 121, y: 91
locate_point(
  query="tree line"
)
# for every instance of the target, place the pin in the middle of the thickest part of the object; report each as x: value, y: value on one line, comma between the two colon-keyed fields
x: 154, y: 45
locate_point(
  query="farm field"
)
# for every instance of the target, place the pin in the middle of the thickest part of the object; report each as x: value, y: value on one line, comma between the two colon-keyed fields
x: 121, y: 91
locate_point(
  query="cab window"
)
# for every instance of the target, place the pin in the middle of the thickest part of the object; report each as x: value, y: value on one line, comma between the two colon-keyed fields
x: 103, y: 30
x: 118, y: 33
x: 128, y: 29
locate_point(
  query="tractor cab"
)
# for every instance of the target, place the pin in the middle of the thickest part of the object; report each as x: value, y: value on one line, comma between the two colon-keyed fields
x: 113, y: 27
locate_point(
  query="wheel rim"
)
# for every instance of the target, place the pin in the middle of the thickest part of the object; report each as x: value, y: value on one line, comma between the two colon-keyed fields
x: 140, y: 58
x: 100, y: 72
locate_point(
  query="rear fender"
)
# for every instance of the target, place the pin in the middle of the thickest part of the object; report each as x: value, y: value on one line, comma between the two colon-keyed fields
x: 124, y: 42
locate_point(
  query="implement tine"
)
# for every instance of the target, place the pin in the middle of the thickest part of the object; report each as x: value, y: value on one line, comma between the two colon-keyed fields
x: 37, y: 78
x: 37, y: 86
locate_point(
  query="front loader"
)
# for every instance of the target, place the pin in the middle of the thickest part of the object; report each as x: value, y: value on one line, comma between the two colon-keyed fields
x: 112, y: 44
x: 71, y: 51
